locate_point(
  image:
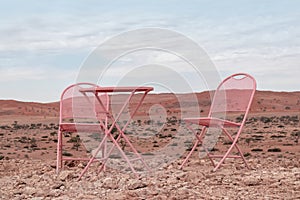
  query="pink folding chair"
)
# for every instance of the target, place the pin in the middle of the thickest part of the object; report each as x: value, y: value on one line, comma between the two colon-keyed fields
x: 233, y: 96
x: 80, y: 113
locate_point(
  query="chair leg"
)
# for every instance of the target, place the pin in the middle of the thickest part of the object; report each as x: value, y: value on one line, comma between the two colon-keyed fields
x: 115, y: 144
x: 210, y: 158
x: 122, y: 152
x: 116, y: 141
x: 223, y: 159
x: 122, y: 134
x: 59, y: 152
x: 242, y: 156
x: 244, y: 159
x: 104, y: 153
x: 190, y: 153
x: 234, y: 144
x: 93, y: 157
x: 227, y: 154
x: 198, y: 140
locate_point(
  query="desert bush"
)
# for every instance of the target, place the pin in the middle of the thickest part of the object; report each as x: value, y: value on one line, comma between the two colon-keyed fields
x: 139, y: 122
x: 296, y: 134
x: 227, y: 143
x: 256, y: 150
x: 162, y: 136
x: 32, y: 126
x: 74, y: 139
x: 274, y: 150
x: 172, y: 120
x: 247, y: 154
x: 65, y: 153
x: 53, y: 133
x: 214, y: 149
x: 278, y: 136
x: 159, y: 123
x: 33, y: 143
x: 265, y: 119
x: 46, y: 127
x: 76, y: 146
x: 239, y: 118
x: 5, y: 127
x: 248, y: 140
x: 24, y: 139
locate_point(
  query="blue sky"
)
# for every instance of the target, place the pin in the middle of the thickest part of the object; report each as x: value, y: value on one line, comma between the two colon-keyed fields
x: 44, y: 43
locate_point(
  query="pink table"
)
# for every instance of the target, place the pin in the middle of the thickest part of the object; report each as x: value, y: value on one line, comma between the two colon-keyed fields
x: 108, y: 135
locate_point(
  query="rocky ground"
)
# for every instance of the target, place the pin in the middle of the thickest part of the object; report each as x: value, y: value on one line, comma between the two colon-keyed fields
x: 270, y: 178
x: 270, y: 142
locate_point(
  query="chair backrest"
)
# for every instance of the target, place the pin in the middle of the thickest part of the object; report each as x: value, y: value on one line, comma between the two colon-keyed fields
x: 77, y: 106
x: 234, y: 94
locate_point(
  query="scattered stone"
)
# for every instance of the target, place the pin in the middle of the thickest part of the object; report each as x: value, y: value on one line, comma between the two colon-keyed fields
x: 271, y: 178
x: 136, y: 184
x: 29, y: 190
x: 251, y: 181
x: 110, y: 183
x: 58, y: 185
x: 65, y: 174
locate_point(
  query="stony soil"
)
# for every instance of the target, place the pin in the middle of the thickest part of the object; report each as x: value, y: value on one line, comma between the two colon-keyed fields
x: 270, y: 142
x: 270, y: 178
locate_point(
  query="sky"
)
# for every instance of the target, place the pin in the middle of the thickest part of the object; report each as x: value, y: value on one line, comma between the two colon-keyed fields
x: 44, y: 44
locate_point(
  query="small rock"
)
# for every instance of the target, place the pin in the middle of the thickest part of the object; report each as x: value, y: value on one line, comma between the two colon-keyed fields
x: 251, y: 181
x: 54, y: 193
x: 110, y: 183
x: 29, y: 190
x: 80, y: 165
x: 37, y: 198
x: 64, y: 175
x: 53, y: 165
x: 136, y: 184
x: 57, y: 185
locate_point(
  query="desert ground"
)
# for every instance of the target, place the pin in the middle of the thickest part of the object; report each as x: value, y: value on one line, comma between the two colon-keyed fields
x: 270, y: 143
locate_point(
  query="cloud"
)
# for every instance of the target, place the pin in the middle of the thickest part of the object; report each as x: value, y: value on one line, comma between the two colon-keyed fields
x: 49, y: 40
x: 31, y: 73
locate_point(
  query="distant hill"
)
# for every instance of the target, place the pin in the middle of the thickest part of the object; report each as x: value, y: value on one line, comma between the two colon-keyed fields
x: 19, y: 108
x: 264, y: 102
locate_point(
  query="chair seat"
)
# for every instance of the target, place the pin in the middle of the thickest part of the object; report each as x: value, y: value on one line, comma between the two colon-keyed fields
x: 75, y: 127
x: 212, y: 122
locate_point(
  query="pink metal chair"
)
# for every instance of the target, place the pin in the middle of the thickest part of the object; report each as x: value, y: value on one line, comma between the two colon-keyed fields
x: 233, y: 96
x: 80, y: 113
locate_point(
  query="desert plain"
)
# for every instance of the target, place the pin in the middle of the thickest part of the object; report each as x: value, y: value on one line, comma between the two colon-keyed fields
x: 269, y: 141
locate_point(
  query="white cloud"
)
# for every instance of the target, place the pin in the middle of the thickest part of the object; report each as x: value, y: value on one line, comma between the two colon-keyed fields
x: 30, y: 73
x: 264, y: 41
